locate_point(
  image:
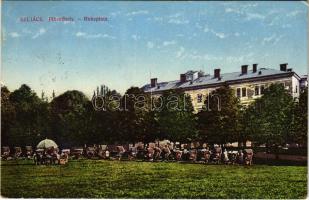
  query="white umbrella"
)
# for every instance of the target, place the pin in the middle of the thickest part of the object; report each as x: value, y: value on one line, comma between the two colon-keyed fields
x: 47, y: 143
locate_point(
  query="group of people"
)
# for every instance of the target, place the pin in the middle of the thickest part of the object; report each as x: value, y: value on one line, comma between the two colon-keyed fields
x: 167, y: 152
x: 50, y: 156
x: 45, y: 156
x: 7, y: 154
x: 206, y: 155
x: 147, y: 152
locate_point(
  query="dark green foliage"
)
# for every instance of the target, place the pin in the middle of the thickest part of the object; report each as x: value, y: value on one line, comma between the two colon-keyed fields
x: 133, y: 116
x: 70, y: 118
x: 301, y: 119
x: 176, y: 119
x: 8, y: 115
x: 270, y: 118
x: 25, y: 116
x: 219, y: 122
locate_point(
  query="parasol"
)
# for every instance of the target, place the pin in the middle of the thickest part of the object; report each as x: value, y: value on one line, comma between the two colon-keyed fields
x: 47, y: 143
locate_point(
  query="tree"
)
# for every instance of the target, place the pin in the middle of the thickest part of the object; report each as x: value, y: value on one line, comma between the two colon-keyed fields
x: 31, y: 120
x: 270, y: 117
x: 219, y: 121
x: 176, y: 119
x: 135, y: 108
x: 107, y: 122
x: 71, y: 119
x: 8, y: 115
x: 300, y: 128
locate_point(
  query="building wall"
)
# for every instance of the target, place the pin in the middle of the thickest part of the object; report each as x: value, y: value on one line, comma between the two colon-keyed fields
x: 194, y: 97
x: 289, y: 83
x: 295, y: 87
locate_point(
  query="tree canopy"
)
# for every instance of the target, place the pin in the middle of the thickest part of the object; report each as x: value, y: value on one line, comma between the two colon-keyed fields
x: 219, y: 121
x: 176, y: 118
x: 71, y: 119
x: 270, y: 118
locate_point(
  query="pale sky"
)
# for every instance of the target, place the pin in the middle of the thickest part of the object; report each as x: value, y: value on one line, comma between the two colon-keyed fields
x: 163, y: 39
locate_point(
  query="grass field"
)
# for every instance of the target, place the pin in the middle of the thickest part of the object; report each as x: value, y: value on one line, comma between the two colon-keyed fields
x: 121, y: 179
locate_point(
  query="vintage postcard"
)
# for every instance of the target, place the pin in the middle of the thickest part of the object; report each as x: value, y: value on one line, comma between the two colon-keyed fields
x: 154, y: 99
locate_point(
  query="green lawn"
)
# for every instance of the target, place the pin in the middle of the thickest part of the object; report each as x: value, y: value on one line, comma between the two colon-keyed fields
x: 121, y: 179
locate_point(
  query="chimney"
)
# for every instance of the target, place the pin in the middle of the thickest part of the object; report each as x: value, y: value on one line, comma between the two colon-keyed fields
x: 244, y: 69
x: 217, y: 73
x: 183, y: 78
x: 283, y: 67
x: 153, y: 82
x: 254, y: 69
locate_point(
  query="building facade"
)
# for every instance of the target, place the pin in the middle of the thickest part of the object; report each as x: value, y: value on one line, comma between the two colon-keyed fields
x: 248, y: 84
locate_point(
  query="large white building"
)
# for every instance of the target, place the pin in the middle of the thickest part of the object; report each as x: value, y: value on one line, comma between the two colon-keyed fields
x: 248, y: 84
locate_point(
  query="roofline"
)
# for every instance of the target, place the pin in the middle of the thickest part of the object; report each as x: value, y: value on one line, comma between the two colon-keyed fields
x: 265, y: 77
x: 298, y: 77
x: 246, y: 80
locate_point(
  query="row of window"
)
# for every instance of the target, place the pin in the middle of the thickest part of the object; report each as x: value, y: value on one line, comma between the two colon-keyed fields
x: 242, y: 92
x: 258, y: 90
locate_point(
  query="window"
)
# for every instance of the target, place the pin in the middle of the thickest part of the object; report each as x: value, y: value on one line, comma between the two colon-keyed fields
x: 257, y: 90
x: 244, y: 92
x: 296, y: 89
x: 262, y: 89
x: 238, y: 92
x: 199, y: 98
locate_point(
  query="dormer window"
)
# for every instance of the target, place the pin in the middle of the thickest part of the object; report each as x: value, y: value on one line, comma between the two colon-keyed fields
x: 191, y: 75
